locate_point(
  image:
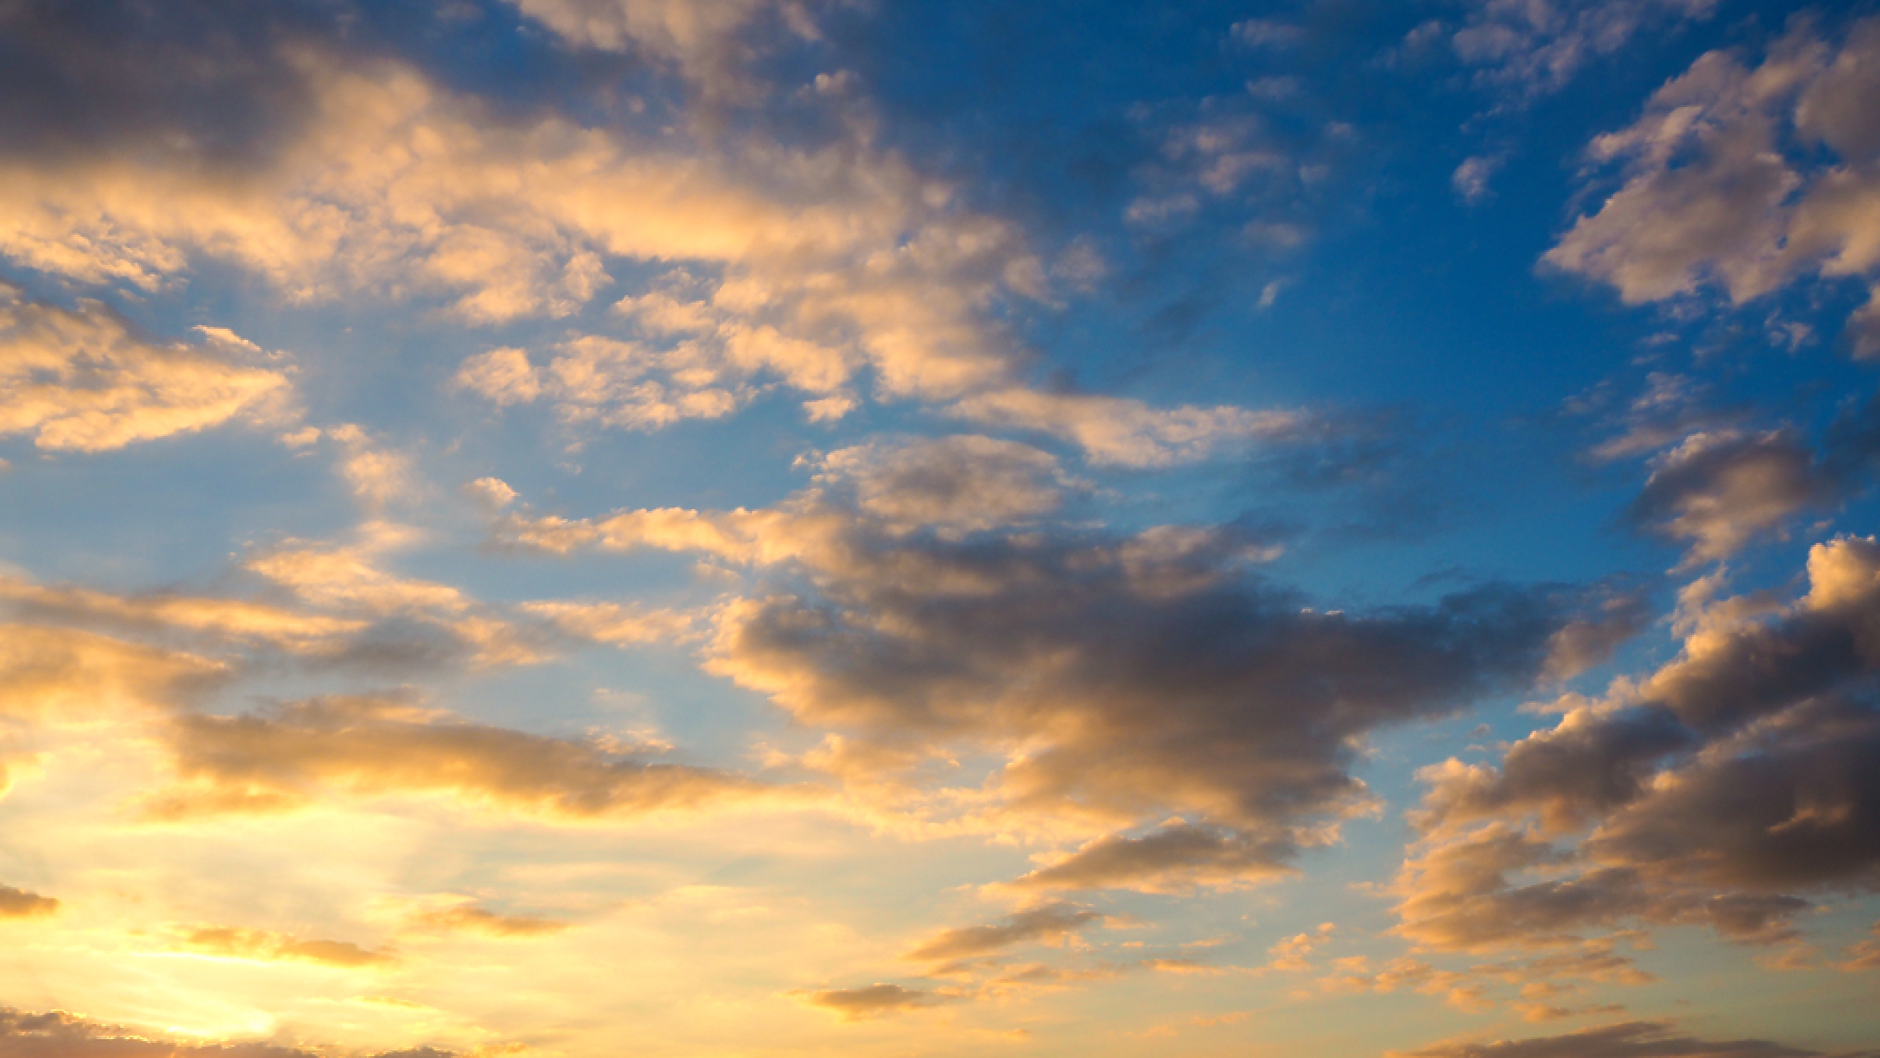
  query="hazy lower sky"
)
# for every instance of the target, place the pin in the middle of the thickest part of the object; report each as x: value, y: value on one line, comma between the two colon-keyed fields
x: 577, y: 528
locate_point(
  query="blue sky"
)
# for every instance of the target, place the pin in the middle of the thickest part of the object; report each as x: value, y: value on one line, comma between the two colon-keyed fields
x: 788, y: 527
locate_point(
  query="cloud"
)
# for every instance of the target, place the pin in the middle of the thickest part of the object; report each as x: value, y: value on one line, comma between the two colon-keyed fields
x: 1533, y: 49
x: 82, y: 380
x: 809, y: 268
x: 299, y: 753
x: 18, y: 903
x: 1471, y: 177
x: 1117, y: 679
x: 1171, y: 857
x: 1633, y: 1039
x: 879, y: 1000
x: 469, y: 918
x: 263, y: 946
x: 57, y: 1034
x: 1125, y: 432
x: 961, y: 483
x: 1744, y: 180
x: 1721, y: 489
x: 65, y: 674
x: 1726, y: 788
x: 228, y: 620
x: 708, y: 42
x: 1290, y: 954
x: 1046, y: 922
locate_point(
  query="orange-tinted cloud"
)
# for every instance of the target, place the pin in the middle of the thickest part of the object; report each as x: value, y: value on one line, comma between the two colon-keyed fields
x: 83, y: 380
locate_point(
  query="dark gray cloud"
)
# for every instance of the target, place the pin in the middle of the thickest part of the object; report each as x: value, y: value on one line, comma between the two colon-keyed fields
x: 1122, y: 678
x: 1633, y: 1039
x: 200, y: 79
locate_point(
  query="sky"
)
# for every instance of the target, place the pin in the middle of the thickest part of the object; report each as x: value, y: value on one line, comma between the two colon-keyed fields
x: 569, y: 528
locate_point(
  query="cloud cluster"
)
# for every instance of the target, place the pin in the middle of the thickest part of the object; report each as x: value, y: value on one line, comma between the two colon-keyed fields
x: 1534, y: 48
x: 1108, y: 680
x: 1744, y: 179
x: 82, y: 379
x: 1727, y: 788
x: 821, y: 269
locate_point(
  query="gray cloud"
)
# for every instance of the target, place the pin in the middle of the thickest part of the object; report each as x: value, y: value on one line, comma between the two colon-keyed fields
x: 296, y: 753
x: 1122, y: 678
x: 1633, y: 1039
x: 1726, y: 788
x: 1171, y: 856
x: 873, y: 1001
x: 1043, y: 923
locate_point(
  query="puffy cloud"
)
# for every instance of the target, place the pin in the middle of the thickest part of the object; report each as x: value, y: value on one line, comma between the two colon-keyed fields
x: 873, y: 1001
x: 1721, y: 489
x: 1633, y: 1039
x: 1046, y: 922
x: 83, y: 380
x: 293, y: 754
x: 1290, y: 953
x: 1744, y: 178
x: 1725, y: 788
x: 1720, y: 486
x: 263, y: 946
x: 18, y: 903
x: 823, y: 262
